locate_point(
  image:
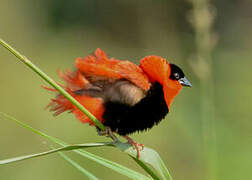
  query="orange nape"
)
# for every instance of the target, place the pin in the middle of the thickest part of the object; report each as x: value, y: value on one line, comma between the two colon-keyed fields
x: 158, y: 70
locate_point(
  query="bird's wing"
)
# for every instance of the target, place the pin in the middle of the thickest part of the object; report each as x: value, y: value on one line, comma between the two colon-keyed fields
x: 92, y: 76
x: 99, y: 65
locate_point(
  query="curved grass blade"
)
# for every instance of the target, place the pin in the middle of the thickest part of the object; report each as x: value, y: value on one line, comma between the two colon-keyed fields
x: 65, y: 148
x: 77, y: 166
x: 148, y: 156
x: 105, y: 162
x: 146, y: 168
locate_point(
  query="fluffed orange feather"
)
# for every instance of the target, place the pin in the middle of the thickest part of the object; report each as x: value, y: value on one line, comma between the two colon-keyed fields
x: 75, y: 81
x: 100, y: 65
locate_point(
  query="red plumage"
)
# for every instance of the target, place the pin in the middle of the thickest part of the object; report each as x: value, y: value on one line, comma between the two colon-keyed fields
x: 99, y: 81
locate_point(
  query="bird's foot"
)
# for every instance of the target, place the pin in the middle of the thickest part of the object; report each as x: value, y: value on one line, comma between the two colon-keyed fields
x: 108, y: 132
x: 135, y: 145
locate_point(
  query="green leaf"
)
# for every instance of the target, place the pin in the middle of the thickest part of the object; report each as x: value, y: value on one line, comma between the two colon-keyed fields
x: 65, y: 148
x: 149, y: 156
x: 77, y: 166
x: 107, y: 163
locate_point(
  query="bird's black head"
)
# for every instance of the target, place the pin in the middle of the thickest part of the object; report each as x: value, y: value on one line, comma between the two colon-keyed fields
x: 178, y: 75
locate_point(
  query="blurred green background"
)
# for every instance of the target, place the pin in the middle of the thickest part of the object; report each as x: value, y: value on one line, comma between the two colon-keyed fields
x: 52, y: 33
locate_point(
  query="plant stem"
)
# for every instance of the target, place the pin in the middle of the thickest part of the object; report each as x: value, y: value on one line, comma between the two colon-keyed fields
x: 27, y: 62
x: 202, y: 19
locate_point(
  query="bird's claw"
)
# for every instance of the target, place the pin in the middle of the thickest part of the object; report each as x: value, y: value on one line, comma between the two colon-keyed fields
x: 135, y: 145
x: 108, y: 132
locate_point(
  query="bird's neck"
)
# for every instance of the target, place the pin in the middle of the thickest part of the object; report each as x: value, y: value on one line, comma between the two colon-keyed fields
x: 171, y: 90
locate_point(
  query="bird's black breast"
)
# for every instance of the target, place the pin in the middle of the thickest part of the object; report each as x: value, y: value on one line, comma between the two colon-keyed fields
x: 125, y: 119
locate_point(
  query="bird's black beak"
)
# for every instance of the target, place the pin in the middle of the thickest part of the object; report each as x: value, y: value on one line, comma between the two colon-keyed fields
x: 184, y: 82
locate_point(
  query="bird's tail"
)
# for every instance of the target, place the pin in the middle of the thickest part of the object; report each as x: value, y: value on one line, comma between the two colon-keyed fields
x: 75, y: 81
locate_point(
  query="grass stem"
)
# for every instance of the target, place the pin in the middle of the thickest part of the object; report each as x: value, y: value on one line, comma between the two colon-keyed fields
x: 27, y: 62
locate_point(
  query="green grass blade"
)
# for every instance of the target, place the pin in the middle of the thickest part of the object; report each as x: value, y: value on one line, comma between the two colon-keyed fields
x: 107, y: 163
x: 77, y: 166
x: 27, y: 62
x: 146, y: 168
x: 65, y: 148
x: 21, y: 158
x: 147, y: 156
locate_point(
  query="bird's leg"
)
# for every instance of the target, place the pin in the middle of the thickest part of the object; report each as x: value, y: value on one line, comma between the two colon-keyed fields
x: 134, y: 144
x: 107, y: 132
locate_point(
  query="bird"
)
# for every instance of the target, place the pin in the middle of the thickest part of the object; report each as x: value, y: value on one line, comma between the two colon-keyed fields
x: 123, y: 96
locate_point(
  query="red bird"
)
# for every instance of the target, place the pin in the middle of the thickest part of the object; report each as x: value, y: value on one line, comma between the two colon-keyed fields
x: 124, y: 96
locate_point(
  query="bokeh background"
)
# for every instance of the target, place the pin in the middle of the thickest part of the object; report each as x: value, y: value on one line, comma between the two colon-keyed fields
x: 207, y: 134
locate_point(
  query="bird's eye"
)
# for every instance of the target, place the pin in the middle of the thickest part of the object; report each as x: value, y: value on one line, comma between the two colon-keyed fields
x: 176, y: 75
